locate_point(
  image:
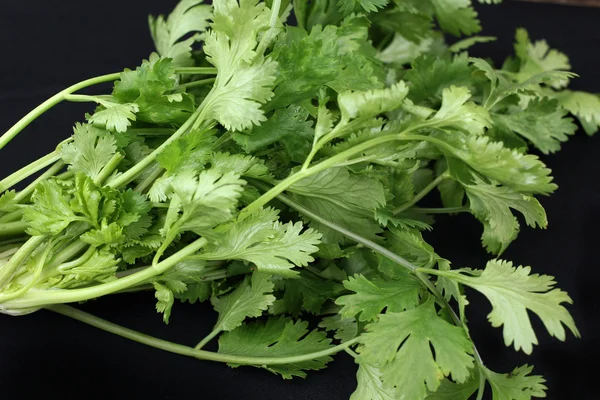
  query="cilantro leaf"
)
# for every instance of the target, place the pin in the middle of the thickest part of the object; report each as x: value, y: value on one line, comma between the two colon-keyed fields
x: 345, y: 329
x: 278, y: 337
x: 371, y: 297
x: 329, y: 192
x: 543, y: 122
x: 50, y: 211
x: 264, y: 241
x: 512, y: 291
x: 456, y: 16
x: 244, y: 79
x: 7, y: 201
x: 491, y: 204
x: 371, y: 103
x: 165, y: 300
x: 100, y: 267
x: 518, y: 385
x: 250, y: 299
x: 188, y: 16
x: 539, y: 57
x: 459, y: 113
x: 347, y: 6
x: 449, y: 390
x: 401, y: 344
x: 429, y: 75
x: 309, y: 293
x: 114, y: 116
x: 370, y: 385
x: 585, y: 106
x: 91, y: 149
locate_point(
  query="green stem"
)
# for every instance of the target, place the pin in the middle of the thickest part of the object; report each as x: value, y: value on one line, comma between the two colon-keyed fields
x: 196, y: 71
x: 189, y: 351
x: 154, y: 172
x: 28, y: 170
x: 36, y: 275
x: 444, y: 210
x: 11, y: 216
x: 45, y: 297
x: 24, y: 194
x: 151, y: 131
x: 146, y: 161
x: 109, y: 168
x: 268, y: 36
x: 81, y: 98
x: 12, y: 228
x: 8, y: 269
x: 432, y: 185
x: 51, y: 102
x: 323, y: 165
x: 207, y: 339
x: 202, y: 82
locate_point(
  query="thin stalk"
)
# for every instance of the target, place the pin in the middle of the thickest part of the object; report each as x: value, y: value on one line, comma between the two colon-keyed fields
x: 36, y: 275
x: 146, y: 161
x: 8, y: 269
x: 46, y: 297
x: 12, y: 228
x: 109, y: 168
x: 207, y: 339
x: 189, y: 351
x: 11, y: 216
x: 196, y: 71
x: 8, y: 253
x: 270, y: 34
x: 443, y: 210
x: 81, y: 98
x: 51, y: 102
x: 198, y: 83
x: 151, y: 131
x: 28, y: 170
x: 424, y: 192
x: 24, y: 194
x: 154, y: 173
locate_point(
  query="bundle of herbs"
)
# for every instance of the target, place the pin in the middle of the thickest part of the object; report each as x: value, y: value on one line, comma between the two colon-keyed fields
x: 271, y: 158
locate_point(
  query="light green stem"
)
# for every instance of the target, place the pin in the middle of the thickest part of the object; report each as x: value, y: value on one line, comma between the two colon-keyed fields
x: 24, y: 194
x: 8, y: 269
x: 12, y: 228
x: 51, y: 102
x: 189, y: 351
x: 207, y: 339
x: 109, y: 168
x: 432, y: 185
x: 198, y: 83
x: 29, y: 170
x: 445, y: 210
x: 36, y: 298
x: 196, y: 71
x: 11, y: 216
x: 36, y: 275
x: 153, y: 174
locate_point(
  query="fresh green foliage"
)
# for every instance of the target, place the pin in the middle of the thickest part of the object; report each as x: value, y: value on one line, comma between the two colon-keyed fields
x: 280, y: 171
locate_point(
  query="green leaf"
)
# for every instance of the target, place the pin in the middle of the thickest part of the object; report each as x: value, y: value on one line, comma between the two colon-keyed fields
x: 512, y: 291
x: 402, y: 346
x: 91, y: 149
x: 585, y: 106
x: 456, y: 16
x: 195, y: 292
x: 518, y: 385
x: 430, y: 75
x: 110, y: 234
x: 189, y: 152
x: 459, y: 113
x: 7, y: 201
x: 309, y: 293
x: 523, y: 172
x: 542, y: 122
x: 165, y: 300
x: 348, y: 6
x: 153, y: 86
x: 491, y: 204
x: 264, y: 241
x: 539, y: 57
x: 370, y: 385
x: 342, y: 197
x: 469, y: 42
x: 449, y: 390
x: 50, y: 212
x: 114, y: 116
x: 289, y: 126
x: 244, y: 79
x: 250, y: 299
x: 371, y: 297
x: 99, y: 268
x: 278, y: 337
x: 189, y: 16
x: 345, y: 329
x: 371, y: 103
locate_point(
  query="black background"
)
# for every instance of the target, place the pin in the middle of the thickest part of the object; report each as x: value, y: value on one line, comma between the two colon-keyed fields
x: 48, y: 45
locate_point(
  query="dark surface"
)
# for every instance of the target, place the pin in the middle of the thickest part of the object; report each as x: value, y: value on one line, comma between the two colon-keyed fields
x: 48, y: 45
